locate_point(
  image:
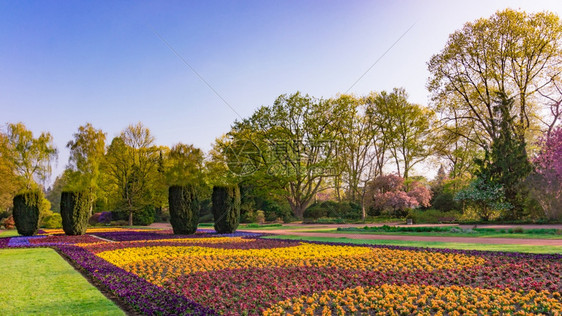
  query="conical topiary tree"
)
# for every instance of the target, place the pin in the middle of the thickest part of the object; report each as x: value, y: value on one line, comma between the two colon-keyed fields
x: 75, y: 212
x: 226, y: 208
x: 184, y: 209
x: 26, y: 212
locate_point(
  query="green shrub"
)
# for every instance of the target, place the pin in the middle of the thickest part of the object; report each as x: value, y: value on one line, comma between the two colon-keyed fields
x: 145, y: 217
x: 518, y: 230
x: 333, y: 209
x: 75, y: 212
x: 184, y: 209
x: 432, y: 216
x: 445, y: 202
x: 226, y: 208
x: 53, y: 221
x: 120, y: 222
x: 26, y: 212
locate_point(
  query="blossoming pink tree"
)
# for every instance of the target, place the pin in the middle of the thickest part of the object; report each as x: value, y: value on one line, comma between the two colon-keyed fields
x: 389, y: 194
x: 546, y: 182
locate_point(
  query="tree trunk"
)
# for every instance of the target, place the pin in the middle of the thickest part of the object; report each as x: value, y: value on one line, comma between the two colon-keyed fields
x: 130, y: 218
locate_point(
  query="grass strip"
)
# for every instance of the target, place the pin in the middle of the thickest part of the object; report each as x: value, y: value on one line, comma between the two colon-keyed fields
x: 432, y: 244
x: 43, y: 283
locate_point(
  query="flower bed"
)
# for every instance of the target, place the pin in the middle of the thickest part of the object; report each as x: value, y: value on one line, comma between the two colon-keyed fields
x: 158, y: 273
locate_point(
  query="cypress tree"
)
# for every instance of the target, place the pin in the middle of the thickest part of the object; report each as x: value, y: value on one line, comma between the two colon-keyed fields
x: 26, y: 212
x: 184, y: 209
x: 510, y: 164
x: 226, y: 208
x: 75, y: 212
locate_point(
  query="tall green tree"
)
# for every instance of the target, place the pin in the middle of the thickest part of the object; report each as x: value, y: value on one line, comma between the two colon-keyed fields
x: 509, y: 162
x: 183, y: 165
x: 87, y: 151
x: 361, y: 144
x: 289, y: 147
x: 131, y: 168
x: 406, y: 126
x: 511, y: 52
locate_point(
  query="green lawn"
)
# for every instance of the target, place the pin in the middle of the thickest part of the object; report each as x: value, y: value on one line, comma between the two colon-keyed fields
x: 244, y: 226
x: 442, y: 234
x: 8, y: 233
x: 40, y: 282
x: 432, y: 244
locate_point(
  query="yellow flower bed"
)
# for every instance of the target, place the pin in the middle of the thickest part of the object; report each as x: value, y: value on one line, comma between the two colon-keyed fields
x: 158, y: 264
x: 55, y: 231
x: 420, y: 300
x: 216, y: 240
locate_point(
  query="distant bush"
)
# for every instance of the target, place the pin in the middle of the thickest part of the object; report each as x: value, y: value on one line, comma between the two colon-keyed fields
x: 145, y: 217
x: 386, y: 228
x: 332, y: 209
x: 445, y: 202
x: 432, y: 216
x: 26, y: 212
x: 325, y: 220
x: 53, y: 221
x: 94, y: 219
x: 120, y: 223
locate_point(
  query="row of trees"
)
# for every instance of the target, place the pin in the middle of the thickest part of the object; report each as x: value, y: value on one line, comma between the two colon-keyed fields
x: 183, y: 201
x: 492, y: 124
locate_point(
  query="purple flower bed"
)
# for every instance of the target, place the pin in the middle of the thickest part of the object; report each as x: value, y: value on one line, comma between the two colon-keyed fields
x: 23, y: 241
x: 153, y: 235
x: 146, y: 298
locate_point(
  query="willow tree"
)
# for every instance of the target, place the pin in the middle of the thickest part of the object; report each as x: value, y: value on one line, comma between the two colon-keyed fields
x: 30, y: 157
x: 87, y: 151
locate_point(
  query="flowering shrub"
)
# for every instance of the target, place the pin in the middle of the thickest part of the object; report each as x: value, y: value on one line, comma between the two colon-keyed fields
x: 242, y: 274
x: 388, y: 193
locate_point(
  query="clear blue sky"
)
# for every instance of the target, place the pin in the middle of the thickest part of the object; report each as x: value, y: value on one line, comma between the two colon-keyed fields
x: 65, y: 63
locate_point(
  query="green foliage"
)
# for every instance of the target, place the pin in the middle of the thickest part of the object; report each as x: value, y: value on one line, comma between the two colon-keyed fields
x: 511, y: 52
x: 486, y: 197
x: 445, y: 202
x: 183, y: 165
x: 433, y: 216
x: 26, y: 212
x: 184, y: 209
x: 386, y: 228
x: 30, y: 157
x: 510, y: 165
x: 87, y: 150
x: 53, y: 221
x: 226, y: 208
x: 287, y: 147
x: 333, y: 209
x: 75, y: 212
x: 145, y: 217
